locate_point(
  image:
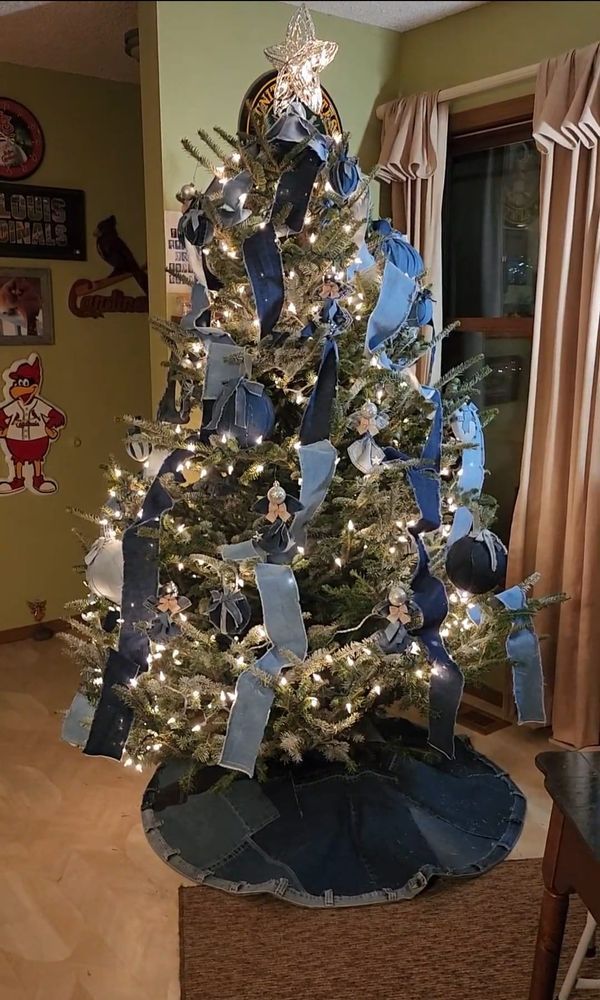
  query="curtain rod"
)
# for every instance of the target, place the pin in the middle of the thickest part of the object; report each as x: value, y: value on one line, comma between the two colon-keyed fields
x: 478, y: 86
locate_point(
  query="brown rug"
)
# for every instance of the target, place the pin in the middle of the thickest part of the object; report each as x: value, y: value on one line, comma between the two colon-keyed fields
x: 471, y: 940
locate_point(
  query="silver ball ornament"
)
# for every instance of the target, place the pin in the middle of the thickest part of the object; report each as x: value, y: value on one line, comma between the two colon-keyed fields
x: 276, y: 494
x: 368, y: 410
x: 186, y: 192
x: 397, y: 595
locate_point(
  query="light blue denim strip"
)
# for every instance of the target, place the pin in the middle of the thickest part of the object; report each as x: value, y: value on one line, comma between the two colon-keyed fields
x: 392, y: 308
x: 317, y: 466
x: 467, y: 429
x: 284, y: 625
x: 77, y: 721
x: 523, y: 653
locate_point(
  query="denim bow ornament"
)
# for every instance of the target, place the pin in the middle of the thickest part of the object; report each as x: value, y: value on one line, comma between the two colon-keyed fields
x: 397, y: 248
x: 365, y: 454
x: 344, y: 175
x: 394, y: 638
x: 278, y: 508
x: 298, y: 125
x: 229, y: 611
x: 194, y: 226
x: 166, y: 607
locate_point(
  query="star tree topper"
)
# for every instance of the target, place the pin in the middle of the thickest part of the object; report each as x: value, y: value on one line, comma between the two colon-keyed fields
x: 298, y: 61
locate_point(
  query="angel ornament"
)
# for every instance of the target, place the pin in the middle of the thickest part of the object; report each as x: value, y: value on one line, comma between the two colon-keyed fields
x: 365, y: 453
x: 278, y: 508
x: 394, y: 638
x: 166, y: 607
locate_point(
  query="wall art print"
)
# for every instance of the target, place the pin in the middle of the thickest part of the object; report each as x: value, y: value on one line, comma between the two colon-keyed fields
x: 84, y: 298
x: 29, y: 425
x: 26, y: 306
x: 21, y: 141
x: 43, y: 222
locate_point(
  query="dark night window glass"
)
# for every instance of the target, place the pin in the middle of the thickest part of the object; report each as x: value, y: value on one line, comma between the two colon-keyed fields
x: 490, y: 244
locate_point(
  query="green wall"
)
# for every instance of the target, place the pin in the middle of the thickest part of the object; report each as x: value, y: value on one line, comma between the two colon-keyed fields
x: 491, y: 39
x: 97, y: 368
x: 208, y: 56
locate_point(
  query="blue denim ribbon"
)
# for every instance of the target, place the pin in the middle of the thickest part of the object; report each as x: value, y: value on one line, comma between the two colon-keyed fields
x: 76, y: 724
x: 264, y: 267
x: 276, y: 582
x: 284, y: 625
x: 466, y: 426
x: 424, y: 478
x: 316, y: 418
x: 392, y: 309
x: 523, y: 653
x: 112, y: 718
x: 447, y: 681
x: 317, y: 466
x: 295, y: 188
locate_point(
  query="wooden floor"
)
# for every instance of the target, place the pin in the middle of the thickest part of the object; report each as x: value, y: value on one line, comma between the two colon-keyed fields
x: 87, y: 911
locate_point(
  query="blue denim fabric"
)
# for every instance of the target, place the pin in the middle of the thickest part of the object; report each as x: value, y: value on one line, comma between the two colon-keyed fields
x: 318, y: 836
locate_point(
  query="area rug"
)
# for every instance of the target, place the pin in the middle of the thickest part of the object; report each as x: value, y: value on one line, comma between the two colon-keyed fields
x: 458, y: 941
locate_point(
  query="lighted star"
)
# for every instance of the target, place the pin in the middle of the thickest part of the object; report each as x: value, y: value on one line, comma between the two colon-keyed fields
x: 299, y: 60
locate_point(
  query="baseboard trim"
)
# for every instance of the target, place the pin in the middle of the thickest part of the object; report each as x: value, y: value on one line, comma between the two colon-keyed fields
x: 26, y: 631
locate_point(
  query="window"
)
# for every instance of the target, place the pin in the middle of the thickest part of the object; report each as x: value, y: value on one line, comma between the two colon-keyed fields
x: 490, y: 245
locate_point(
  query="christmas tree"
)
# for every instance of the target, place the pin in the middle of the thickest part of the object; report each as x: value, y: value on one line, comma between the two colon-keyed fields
x: 307, y: 543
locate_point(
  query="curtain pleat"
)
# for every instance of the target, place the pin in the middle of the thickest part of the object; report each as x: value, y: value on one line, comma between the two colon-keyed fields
x: 413, y: 158
x: 556, y: 524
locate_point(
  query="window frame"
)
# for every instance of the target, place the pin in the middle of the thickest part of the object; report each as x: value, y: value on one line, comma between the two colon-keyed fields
x: 486, y: 128
x: 471, y: 130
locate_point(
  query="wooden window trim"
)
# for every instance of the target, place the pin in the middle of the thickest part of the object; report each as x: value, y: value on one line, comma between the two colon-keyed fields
x: 497, y: 326
x: 493, y: 125
x: 484, y: 128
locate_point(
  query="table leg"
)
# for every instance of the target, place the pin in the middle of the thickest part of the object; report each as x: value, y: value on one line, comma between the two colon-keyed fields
x: 551, y: 928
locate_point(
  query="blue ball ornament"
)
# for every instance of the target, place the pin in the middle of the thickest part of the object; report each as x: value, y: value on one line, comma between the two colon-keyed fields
x: 397, y: 249
x: 243, y: 411
x: 477, y: 563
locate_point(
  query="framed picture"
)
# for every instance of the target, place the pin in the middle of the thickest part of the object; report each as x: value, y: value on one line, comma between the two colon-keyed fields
x: 42, y: 222
x: 26, y: 306
x: 21, y: 141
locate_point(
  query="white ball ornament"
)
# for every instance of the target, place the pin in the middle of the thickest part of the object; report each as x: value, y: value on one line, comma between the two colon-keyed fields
x: 104, y: 568
x: 138, y: 445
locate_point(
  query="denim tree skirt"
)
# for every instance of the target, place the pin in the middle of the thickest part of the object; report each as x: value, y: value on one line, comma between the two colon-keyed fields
x: 317, y: 836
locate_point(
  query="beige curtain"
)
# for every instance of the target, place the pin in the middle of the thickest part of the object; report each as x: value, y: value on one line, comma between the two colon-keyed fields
x: 556, y: 526
x: 413, y: 157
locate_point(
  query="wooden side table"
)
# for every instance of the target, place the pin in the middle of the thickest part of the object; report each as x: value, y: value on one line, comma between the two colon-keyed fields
x: 571, y: 861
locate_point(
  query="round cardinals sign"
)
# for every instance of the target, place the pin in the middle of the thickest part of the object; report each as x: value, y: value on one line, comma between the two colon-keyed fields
x: 259, y: 101
x: 21, y: 141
